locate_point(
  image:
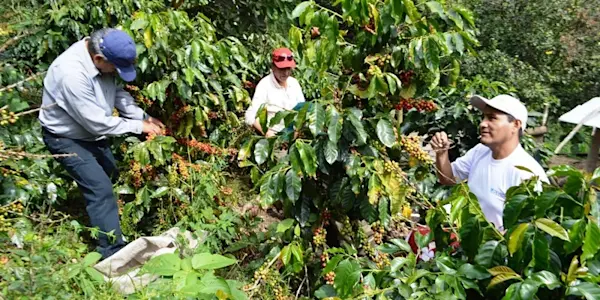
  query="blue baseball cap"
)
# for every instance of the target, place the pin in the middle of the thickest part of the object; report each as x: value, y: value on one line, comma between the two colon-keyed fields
x: 119, y: 49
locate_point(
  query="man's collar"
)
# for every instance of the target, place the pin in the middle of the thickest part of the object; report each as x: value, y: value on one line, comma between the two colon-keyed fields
x: 87, y: 61
x: 275, y: 82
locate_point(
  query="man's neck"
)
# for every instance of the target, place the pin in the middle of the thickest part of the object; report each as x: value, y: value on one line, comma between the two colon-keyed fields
x: 504, y: 150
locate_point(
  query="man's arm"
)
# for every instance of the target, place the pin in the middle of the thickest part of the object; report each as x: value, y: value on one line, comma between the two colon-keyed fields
x: 126, y: 106
x: 79, y: 101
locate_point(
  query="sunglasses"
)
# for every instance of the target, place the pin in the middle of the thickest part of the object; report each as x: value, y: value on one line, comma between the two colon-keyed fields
x: 280, y: 58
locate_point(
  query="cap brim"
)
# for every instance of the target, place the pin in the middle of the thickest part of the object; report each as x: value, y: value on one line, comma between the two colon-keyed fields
x: 127, y: 73
x: 285, y: 64
x: 479, y: 102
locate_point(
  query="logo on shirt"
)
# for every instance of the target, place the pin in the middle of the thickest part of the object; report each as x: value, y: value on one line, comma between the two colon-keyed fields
x: 497, y: 192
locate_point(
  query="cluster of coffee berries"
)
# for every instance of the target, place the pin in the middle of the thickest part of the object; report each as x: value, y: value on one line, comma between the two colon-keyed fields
x: 144, y: 100
x: 378, y: 232
x: 182, y: 165
x: 120, y: 203
x: 411, y: 145
x: 346, y: 230
x: 281, y: 292
x: 330, y: 278
x: 180, y: 113
x: 266, y: 275
x: 326, y: 216
x: 6, y: 172
x: 393, y: 168
x: 324, y: 259
x: 136, y: 173
x: 319, y: 237
x: 172, y: 175
x: 420, y: 105
x: 381, y: 260
x: 8, y: 117
x: 375, y: 71
x: 5, y: 212
x: 202, y: 147
x: 406, y: 76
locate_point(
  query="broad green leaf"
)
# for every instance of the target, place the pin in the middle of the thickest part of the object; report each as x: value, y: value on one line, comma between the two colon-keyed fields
x: 491, y: 252
x: 325, y: 292
x: 459, y: 44
x: 384, y: 211
x: 474, y: 272
x: 316, y: 118
x: 552, y: 228
x: 411, y: 10
x: 331, y: 152
x: 432, y: 54
x: 392, y: 83
x: 164, y: 265
x: 586, y: 289
x: 528, y: 289
x: 91, y: 258
x: 261, y: 151
x: 94, y: 274
x: 436, y: 8
x: 262, y: 116
x: 470, y: 233
x: 284, y: 225
x: 385, y: 133
x: 416, y: 275
x: 161, y: 191
x: 502, y: 278
x: 300, y: 8
x: 358, y: 127
x: 516, y: 238
x: 409, y: 91
x: 445, y: 265
x: 246, y: 150
x: 591, y: 243
x: 301, y: 117
x: 211, y: 285
x: 207, y: 261
x: 286, y: 253
x: 456, y: 18
x: 308, y: 157
x: 547, y: 279
x: 545, y: 201
x: 541, y: 251
x: 280, y: 115
x: 334, y: 124
x: 346, y: 278
x: 293, y: 185
x: 576, y: 235
x: 497, y: 270
x: 398, y: 263
x: 195, y: 50
x: 512, y: 209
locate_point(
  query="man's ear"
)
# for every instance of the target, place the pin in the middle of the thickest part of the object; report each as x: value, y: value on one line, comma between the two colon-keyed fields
x: 518, y: 124
x: 97, y: 59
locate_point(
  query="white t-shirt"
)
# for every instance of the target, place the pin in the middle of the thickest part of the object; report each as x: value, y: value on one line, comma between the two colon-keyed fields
x: 489, y: 179
x: 277, y: 98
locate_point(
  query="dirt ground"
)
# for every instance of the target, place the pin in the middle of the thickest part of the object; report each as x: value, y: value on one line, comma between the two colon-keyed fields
x: 576, y: 162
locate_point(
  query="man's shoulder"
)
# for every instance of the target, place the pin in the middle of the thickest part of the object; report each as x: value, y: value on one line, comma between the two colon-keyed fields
x: 525, y: 160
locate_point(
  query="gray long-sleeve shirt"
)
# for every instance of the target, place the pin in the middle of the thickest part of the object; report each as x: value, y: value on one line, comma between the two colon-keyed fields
x: 85, y: 99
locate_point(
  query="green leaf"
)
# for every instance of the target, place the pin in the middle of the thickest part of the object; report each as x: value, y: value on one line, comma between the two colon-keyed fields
x: 308, y: 157
x: 436, y: 8
x: 474, y: 272
x: 286, y: 253
x: 334, y: 124
x: 545, y: 201
x: 445, y: 265
x: 246, y: 150
x: 411, y: 10
x: 210, y: 285
x: 359, y: 129
x: 528, y: 289
x: 392, y: 82
x: 546, y: 278
x: 541, y: 251
x: 164, y: 265
x: 316, y: 118
x: 195, y: 51
x: 490, y: 253
x: 591, y: 243
x: 516, y: 238
x: 325, y: 291
x: 91, y: 258
x: 207, y: 261
x: 552, y: 228
x: 346, y: 278
x: 459, y: 44
x: 331, y: 152
x: 470, y: 233
x: 385, y: 133
x: 293, y: 185
x: 300, y: 8
x: 398, y: 263
x: 261, y: 151
x: 161, y: 191
x: 409, y: 91
x: 456, y: 18
x: 284, y: 225
x: 95, y: 275
x: 586, y: 289
x: 432, y: 55
x: 576, y: 235
x: 384, y: 211
x: 512, y: 209
x: 301, y: 117
x: 262, y: 116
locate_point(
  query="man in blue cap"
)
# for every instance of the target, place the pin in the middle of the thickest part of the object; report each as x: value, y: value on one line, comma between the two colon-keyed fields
x: 82, y: 91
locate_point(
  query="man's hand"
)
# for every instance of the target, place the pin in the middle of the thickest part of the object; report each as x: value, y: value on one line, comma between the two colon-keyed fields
x: 270, y: 133
x: 156, y: 122
x: 151, y: 128
x: 440, y: 142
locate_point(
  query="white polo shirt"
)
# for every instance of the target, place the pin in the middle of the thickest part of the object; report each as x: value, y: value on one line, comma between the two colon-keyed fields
x: 276, y: 97
x: 489, y: 179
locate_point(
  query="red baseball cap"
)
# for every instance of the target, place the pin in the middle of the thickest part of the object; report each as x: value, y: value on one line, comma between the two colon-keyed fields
x: 283, y: 58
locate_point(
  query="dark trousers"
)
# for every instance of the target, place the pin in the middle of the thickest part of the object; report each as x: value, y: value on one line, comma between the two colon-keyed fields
x: 93, y: 169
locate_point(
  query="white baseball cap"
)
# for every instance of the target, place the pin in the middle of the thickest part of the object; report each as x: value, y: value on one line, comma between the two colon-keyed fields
x: 504, y: 103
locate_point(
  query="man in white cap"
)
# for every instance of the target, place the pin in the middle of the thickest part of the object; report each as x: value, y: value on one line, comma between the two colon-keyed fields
x: 490, y: 168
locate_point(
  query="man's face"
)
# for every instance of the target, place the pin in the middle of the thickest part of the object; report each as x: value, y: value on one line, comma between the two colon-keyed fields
x: 496, y: 128
x: 103, y: 65
x: 282, y: 74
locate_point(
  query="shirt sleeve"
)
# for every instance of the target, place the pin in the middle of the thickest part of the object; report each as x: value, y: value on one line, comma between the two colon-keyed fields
x: 260, y: 97
x: 79, y: 102
x: 126, y: 106
x: 461, y: 167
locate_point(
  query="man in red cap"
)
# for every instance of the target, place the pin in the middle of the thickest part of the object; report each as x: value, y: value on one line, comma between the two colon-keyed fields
x: 278, y: 91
